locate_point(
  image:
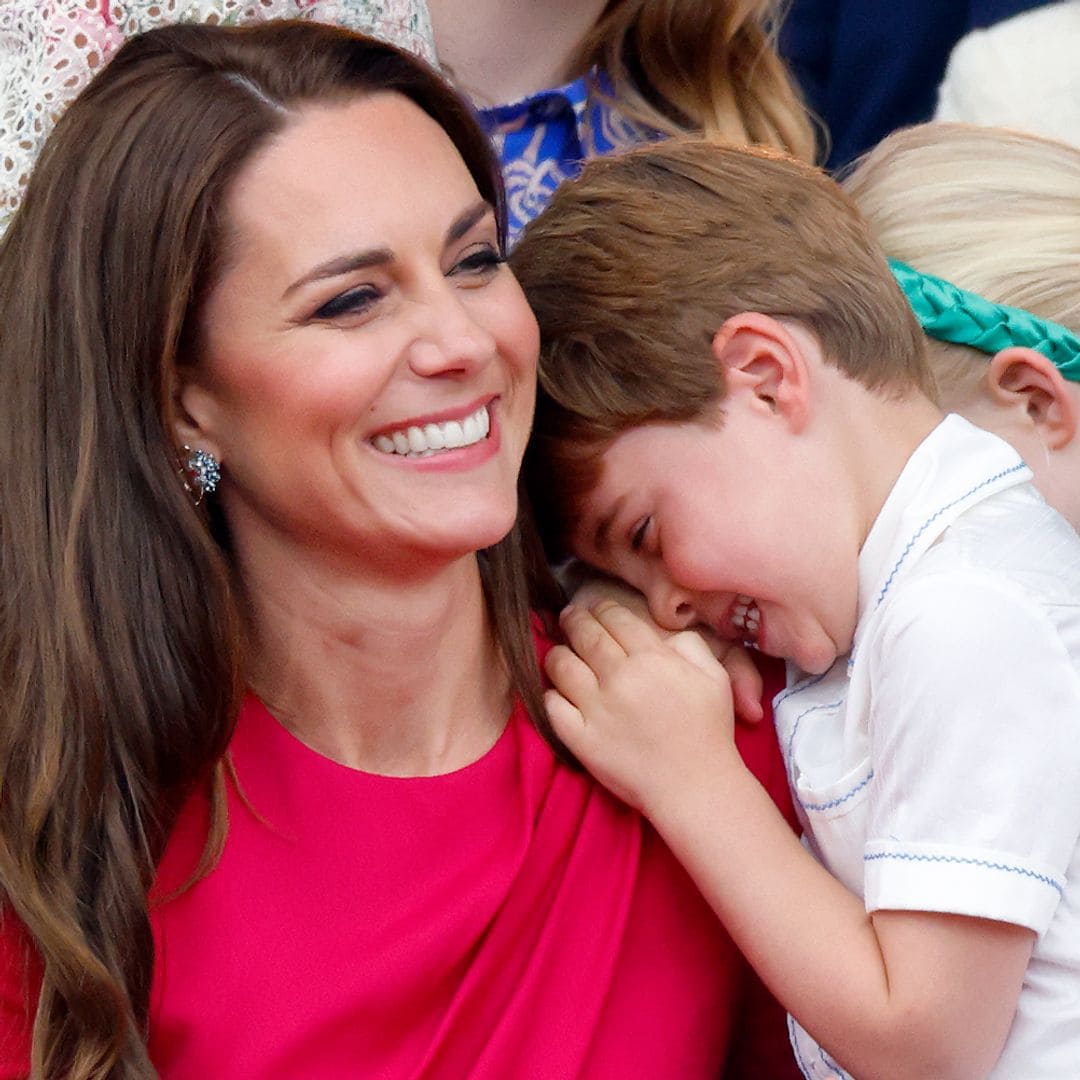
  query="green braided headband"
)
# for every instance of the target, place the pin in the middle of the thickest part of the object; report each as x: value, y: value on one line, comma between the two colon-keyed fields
x: 949, y: 313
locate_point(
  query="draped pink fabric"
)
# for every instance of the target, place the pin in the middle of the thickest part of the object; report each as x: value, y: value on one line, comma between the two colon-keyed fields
x: 509, y: 920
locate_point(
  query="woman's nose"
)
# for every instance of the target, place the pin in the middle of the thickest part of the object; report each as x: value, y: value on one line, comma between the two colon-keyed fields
x: 449, y: 337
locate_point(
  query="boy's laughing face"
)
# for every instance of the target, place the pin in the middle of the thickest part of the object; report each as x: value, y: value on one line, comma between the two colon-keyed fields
x: 728, y: 525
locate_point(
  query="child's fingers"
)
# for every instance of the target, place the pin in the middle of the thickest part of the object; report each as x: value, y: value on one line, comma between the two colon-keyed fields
x: 747, y: 684
x: 627, y: 629
x: 690, y: 645
x: 591, y: 640
x: 566, y: 720
x: 570, y: 675
x: 748, y: 707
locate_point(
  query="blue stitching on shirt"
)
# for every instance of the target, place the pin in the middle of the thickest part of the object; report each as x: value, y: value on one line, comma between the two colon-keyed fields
x: 912, y: 857
x: 933, y: 517
x: 841, y: 799
x: 798, y: 688
x: 803, y: 1067
x: 795, y: 728
x: 839, y: 1072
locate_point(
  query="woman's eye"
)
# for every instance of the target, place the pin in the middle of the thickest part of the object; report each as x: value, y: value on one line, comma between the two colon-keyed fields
x: 637, y: 537
x: 353, y: 302
x: 479, y: 262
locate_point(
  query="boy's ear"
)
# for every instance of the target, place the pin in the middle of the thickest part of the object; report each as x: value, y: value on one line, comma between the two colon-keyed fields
x: 1023, y: 379
x: 758, y: 356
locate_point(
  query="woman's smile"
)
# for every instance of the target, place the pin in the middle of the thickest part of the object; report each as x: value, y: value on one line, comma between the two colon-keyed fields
x: 425, y: 437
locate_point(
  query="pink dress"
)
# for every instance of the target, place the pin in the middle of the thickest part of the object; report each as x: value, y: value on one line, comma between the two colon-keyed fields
x: 507, y: 920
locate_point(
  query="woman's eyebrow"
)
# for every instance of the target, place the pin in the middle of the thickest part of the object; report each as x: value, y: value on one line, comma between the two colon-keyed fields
x: 466, y: 220
x: 347, y: 264
x: 342, y: 264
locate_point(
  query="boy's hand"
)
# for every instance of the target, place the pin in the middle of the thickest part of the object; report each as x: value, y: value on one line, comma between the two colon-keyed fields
x: 747, y: 685
x: 648, y: 717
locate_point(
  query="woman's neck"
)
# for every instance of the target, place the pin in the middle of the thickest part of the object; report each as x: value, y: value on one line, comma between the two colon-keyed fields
x: 391, y: 677
x: 498, y: 51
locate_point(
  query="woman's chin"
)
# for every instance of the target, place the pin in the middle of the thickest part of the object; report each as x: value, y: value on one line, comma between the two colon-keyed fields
x: 475, y: 536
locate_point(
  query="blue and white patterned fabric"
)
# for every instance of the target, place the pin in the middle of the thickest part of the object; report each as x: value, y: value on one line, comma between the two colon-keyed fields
x: 938, y: 767
x: 50, y: 50
x: 543, y: 139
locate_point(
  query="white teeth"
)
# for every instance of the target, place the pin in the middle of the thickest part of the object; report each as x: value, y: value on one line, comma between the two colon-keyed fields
x: 423, y: 441
x: 746, y: 617
x: 471, y: 429
x: 453, y: 435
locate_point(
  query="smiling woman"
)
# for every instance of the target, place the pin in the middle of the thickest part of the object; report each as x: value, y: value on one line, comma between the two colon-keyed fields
x: 276, y: 798
x: 352, y: 320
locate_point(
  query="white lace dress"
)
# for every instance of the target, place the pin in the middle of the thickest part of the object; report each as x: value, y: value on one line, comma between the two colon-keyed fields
x: 50, y: 49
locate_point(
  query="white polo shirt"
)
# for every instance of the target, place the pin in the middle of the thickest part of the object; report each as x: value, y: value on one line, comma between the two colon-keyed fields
x: 938, y: 767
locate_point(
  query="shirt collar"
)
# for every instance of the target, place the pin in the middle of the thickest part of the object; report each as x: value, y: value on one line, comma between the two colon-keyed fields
x: 955, y: 467
x: 574, y: 94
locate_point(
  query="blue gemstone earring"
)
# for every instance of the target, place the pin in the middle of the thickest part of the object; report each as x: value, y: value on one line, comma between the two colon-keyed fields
x: 202, y: 473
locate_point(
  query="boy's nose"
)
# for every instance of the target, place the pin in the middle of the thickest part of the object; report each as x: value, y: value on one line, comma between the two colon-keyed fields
x: 671, y: 607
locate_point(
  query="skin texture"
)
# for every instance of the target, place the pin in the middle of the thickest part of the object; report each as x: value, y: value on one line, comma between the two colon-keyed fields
x: 365, y: 293
x: 893, y: 994
x: 499, y: 51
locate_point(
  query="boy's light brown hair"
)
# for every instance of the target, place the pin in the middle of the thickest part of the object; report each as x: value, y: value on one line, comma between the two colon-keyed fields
x: 636, y: 265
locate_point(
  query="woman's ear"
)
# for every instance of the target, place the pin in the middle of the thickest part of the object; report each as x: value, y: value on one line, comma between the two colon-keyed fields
x: 762, y: 360
x: 193, y: 413
x: 1019, y: 378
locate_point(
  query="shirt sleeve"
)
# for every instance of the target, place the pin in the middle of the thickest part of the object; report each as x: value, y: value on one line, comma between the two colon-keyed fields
x: 975, y: 735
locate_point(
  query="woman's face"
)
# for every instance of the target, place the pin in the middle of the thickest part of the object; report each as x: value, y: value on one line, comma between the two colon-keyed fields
x: 367, y: 370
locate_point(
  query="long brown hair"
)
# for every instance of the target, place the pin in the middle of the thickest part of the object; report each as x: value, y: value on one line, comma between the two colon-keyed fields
x: 704, y: 66
x: 120, y: 632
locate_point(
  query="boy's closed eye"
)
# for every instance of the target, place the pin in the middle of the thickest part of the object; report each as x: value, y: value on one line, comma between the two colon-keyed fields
x: 639, y: 533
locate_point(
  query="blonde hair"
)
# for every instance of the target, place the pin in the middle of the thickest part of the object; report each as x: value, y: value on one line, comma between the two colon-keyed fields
x: 635, y: 266
x: 707, y: 67
x: 996, y: 212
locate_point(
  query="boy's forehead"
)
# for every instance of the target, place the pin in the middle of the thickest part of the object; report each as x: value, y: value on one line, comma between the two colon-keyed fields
x: 643, y: 470
x: 630, y: 471
x: 595, y: 523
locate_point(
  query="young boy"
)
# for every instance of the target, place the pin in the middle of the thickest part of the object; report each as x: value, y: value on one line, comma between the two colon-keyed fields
x: 736, y: 418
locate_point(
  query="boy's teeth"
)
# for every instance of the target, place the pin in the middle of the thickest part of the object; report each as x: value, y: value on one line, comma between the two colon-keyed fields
x: 746, y: 617
x: 431, y: 438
